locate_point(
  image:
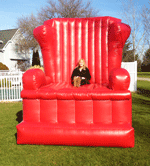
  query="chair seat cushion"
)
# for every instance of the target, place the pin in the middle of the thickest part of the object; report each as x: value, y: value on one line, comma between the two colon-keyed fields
x: 64, y: 91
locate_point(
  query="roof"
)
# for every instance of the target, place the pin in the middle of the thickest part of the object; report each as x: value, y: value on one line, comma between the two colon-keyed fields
x: 6, y: 35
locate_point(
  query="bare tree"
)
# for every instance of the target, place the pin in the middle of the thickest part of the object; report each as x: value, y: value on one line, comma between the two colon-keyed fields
x: 66, y: 9
x: 61, y: 9
x: 26, y: 24
x: 132, y: 16
x: 127, y: 55
x: 146, y: 23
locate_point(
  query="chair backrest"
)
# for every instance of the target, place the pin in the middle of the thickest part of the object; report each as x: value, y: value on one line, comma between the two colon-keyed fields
x: 98, y: 40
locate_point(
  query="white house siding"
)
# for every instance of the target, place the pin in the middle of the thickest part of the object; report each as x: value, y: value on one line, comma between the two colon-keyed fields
x: 7, y: 54
x: 1, y: 57
x: 11, y: 53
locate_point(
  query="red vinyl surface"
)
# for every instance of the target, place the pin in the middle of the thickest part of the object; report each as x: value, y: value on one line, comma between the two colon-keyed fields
x: 98, y: 114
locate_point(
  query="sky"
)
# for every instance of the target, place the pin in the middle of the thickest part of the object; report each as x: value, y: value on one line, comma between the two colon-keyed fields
x: 11, y: 10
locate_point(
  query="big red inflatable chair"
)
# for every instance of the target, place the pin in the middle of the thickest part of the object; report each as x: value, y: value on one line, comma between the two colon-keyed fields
x: 97, y: 114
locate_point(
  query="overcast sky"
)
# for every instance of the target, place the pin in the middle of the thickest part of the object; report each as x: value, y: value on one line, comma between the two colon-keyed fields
x: 10, y: 10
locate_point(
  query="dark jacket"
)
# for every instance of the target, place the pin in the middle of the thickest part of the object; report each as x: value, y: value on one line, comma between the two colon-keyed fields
x: 84, y: 73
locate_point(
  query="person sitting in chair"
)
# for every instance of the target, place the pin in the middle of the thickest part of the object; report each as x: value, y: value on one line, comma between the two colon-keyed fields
x: 82, y: 72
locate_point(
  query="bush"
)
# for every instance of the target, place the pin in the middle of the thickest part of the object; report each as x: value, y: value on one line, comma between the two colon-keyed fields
x: 145, y: 68
x: 36, y: 67
x: 3, y: 67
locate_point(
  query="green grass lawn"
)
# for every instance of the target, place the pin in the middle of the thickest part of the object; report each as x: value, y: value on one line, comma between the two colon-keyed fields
x: 143, y: 74
x: 12, y: 154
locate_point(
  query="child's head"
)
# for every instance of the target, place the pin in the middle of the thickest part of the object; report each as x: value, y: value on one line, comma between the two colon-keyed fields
x: 81, y: 63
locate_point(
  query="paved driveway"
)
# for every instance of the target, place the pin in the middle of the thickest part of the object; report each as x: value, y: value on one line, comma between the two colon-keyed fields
x: 143, y: 79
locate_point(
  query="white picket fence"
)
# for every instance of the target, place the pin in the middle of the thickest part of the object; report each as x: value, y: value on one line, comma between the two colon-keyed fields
x: 131, y: 67
x: 11, y: 82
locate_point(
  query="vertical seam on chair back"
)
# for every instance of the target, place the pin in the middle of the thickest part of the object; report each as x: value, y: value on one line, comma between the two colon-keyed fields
x: 104, y: 42
x: 98, y: 47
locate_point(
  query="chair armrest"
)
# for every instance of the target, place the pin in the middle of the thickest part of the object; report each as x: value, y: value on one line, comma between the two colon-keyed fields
x: 33, y: 79
x: 119, y: 79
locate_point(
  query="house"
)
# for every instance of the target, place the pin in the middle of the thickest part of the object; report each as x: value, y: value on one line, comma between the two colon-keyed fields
x: 11, y: 53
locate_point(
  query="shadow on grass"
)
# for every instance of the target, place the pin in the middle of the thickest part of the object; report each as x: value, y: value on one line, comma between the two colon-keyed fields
x: 19, y: 119
x: 143, y: 92
x: 19, y: 116
x: 142, y: 130
x: 142, y: 108
x: 142, y: 103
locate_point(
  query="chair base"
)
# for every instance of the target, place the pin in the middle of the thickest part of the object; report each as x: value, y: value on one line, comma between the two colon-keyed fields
x: 108, y: 135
